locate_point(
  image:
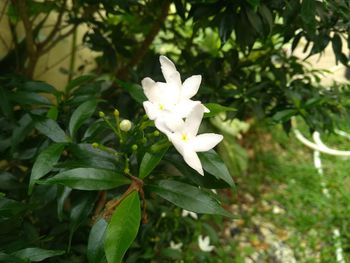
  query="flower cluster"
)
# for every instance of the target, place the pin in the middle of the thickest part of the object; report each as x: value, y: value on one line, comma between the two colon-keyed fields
x: 176, y: 115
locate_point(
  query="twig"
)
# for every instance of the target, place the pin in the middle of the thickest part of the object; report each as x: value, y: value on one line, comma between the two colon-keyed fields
x: 140, y: 53
x: 58, y: 39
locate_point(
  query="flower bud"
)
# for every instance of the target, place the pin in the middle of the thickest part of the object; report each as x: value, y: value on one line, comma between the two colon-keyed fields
x: 156, y: 133
x: 95, y: 144
x: 134, y: 147
x: 125, y: 125
x: 126, y: 170
x: 116, y: 113
x: 101, y: 114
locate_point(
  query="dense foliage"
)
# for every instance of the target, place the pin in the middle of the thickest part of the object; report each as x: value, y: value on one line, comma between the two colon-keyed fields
x: 65, y: 163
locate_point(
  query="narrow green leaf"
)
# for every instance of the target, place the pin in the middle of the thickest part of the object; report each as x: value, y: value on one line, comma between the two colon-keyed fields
x: 81, y: 114
x: 62, y: 194
x: 51, y: 129
x: 25, y: 126
x: 284, y: 115
x: 95, y: 248
x: 215, y: 109
x: 213, y: 164
x: 8, y: 181
x: 44, y: 163
x: 123, y: 228
x: 135, y: 91
x: 89, y: 179
x: 188, y: 197
x: 308, y: 12
x: 150, y: 161
x: 36, y: 254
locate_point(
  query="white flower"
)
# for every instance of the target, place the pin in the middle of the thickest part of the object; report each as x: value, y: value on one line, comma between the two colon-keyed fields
x: 175, y: 246
x: 191, y: 214
x: 188, y: 143
x: 203, y: 244
x: 170, y: 101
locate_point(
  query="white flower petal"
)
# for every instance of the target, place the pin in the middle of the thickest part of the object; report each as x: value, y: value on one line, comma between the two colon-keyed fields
x: 194, y: 120
x: 179, y: 144
x: 168, y: 122
x: 169, y: 70
x: 203, y: 244
x: 151, y: 110
x: 168, y: 94
x: 191, y: 158
x: 190, y: 86
x: 184, y: 107
x: 205, y: 142
x: 149, y: 88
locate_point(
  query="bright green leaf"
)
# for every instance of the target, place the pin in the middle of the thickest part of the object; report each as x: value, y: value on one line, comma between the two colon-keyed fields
x: 134, y: 90
x: 188, y: 197
x: 89, y: 179
x: 44, y: 163
x: 123, y: 228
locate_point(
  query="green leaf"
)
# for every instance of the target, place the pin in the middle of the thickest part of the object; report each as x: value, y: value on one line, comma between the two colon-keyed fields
x: 62, y: 194
x: 25, y: 126
x: 51, y: 129
x: 10, y: 208
x: 134, y: 90
x: 188, y: 197
x: 5, y: 104
x: 123, y: 228
x: 150, y: 161
x: 308, y: 12
x: 36, y: 254
x: 8, y: 181
x: 44, y: 163
x: 81, y: 114
x: 80, y: 212
x: 10, y: 258
x: 215, y: 109
x: 89, y: 179
x: 77, y: 82
x: 213, y: 164
x: 284, y: 115
x: 52, y: 113
x: 29, y: 98
x: 38, y: 86
x: 253, y: 3
x: 206, y: 181
x: 95, y: 249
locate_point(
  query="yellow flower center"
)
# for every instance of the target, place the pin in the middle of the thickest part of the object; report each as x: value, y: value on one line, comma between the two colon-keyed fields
x: 161, y: 106
x: 184, y: 137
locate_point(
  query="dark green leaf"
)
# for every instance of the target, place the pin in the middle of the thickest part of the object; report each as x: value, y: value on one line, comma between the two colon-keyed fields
x: 9, y: 207
x: 81, y: 114
x: 24, y: 98
x: 188, y: 197
x: 25, y: 126
x: 89, y: 179
x: 284, y: 115
x: 51, y: 129
x: 8, y: 181
x: 308, y: 15
x: 123, y: 228
x: 44, y: 163
x: 80, y: 212
x: 77, y: 82
x: 5, y: 103
x: 36, y: 254
x: 62, y: 194
x: 150, y: 161
x: 134, y: 90
x: 213, y: 164
x: 95, y: 249
x: 10, y: 258
x: 38, y: 86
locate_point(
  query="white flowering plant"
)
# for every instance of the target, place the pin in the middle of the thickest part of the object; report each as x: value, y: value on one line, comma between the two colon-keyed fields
x: 119, y: 166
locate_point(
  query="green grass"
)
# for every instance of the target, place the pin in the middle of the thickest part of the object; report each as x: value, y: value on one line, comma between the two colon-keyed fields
x: 281, y: 174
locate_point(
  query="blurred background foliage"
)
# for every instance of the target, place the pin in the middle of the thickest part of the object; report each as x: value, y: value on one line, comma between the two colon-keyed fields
x: 243, y: 50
